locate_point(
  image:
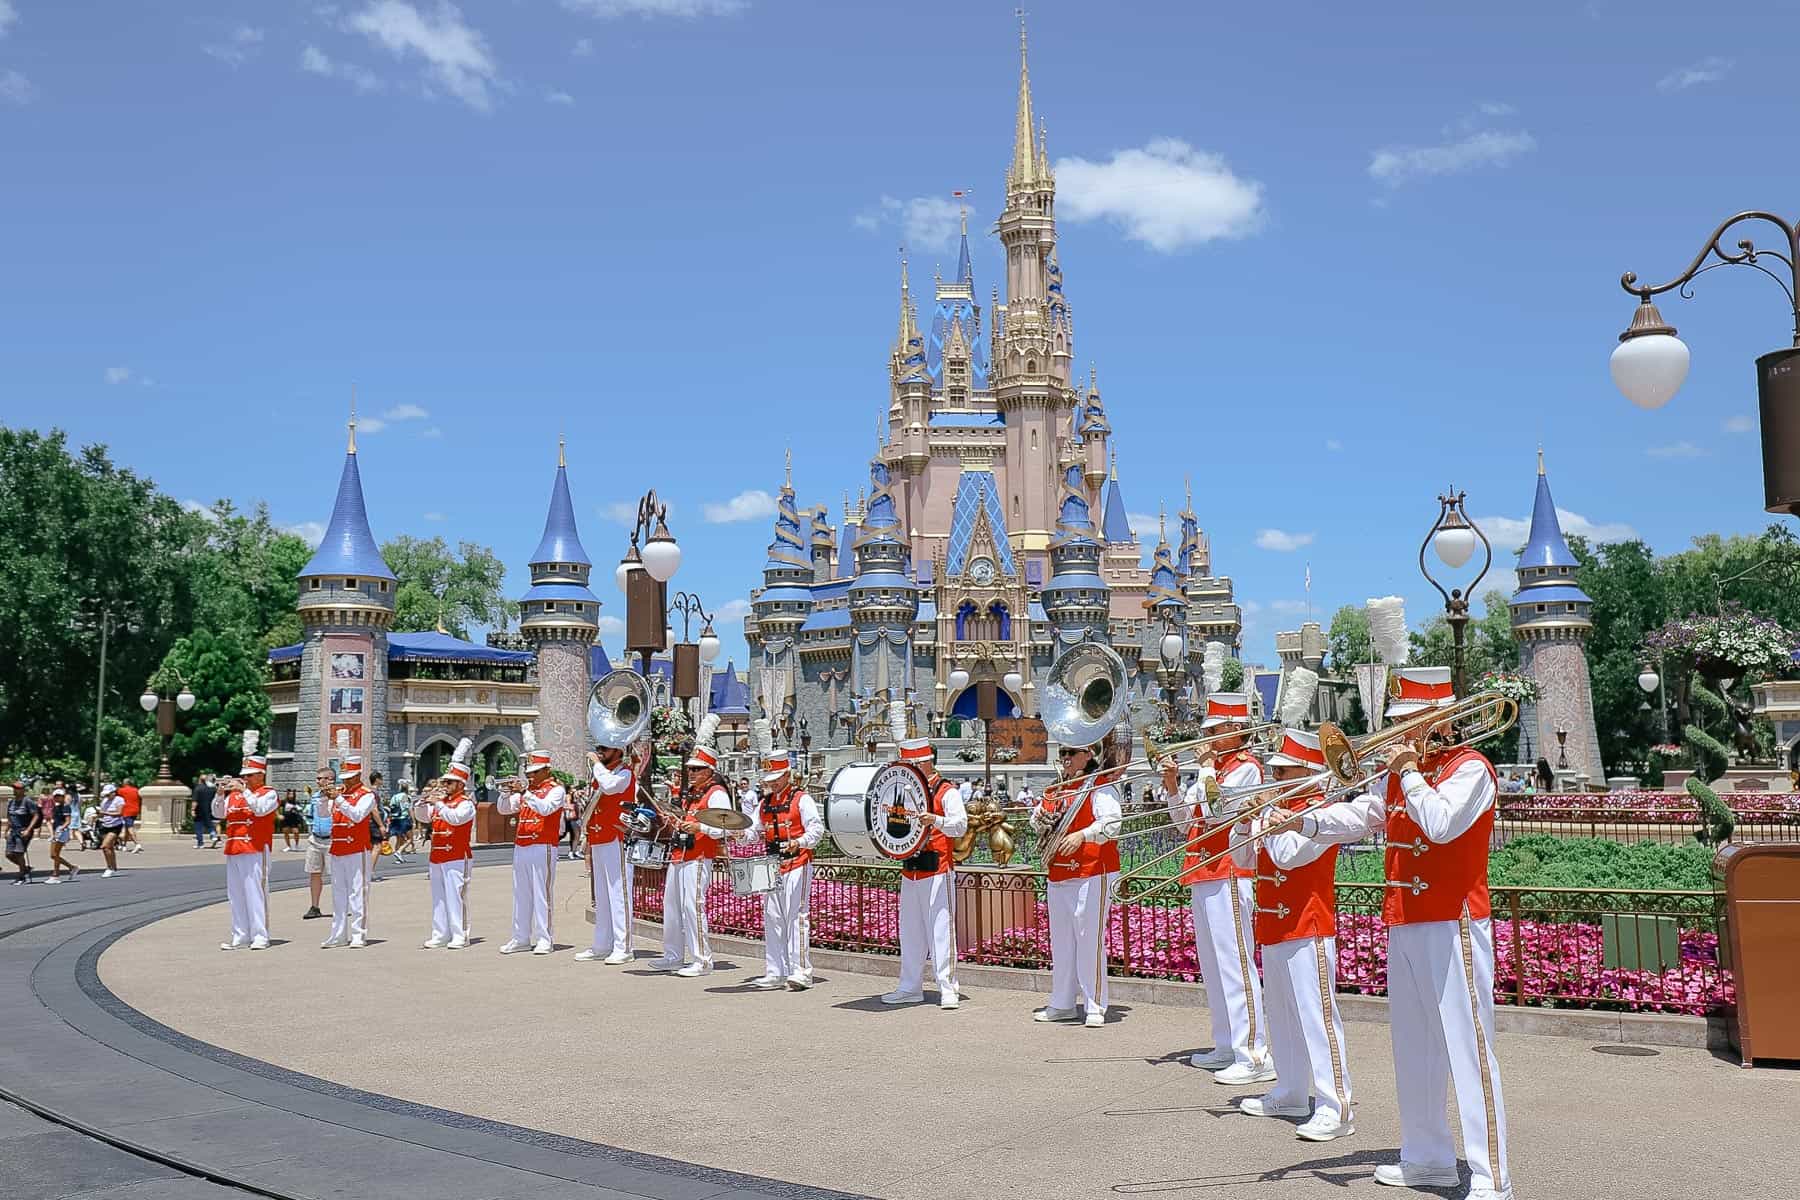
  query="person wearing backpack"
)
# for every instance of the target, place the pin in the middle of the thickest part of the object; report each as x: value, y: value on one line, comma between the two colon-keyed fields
x: 318, y: 836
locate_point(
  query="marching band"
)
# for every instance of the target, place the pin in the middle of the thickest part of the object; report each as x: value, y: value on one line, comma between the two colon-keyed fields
x: 1260, y: 872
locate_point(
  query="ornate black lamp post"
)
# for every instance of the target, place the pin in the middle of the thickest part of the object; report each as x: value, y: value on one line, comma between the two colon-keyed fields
x: 1454, y: 537
x: 164, y: 707
x: 1562, y: 748
x: 1650, y: 362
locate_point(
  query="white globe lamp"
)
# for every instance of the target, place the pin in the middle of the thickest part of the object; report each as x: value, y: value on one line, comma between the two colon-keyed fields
x: 1454, y: 543
x: 662, y: 557
x: 1650, y: 362
x: 147, y: 701
x: 1013, y: 681
x: 1648, y: 679
x: 1171, y: 648
x: 959, y: 679
x: 184, y: 700
x: 709, y: 645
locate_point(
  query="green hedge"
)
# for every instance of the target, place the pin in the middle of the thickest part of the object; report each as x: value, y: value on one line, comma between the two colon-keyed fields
x: 1544, y: 860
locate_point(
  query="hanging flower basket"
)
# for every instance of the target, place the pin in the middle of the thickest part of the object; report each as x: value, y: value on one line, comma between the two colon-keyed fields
x: 1520, y: 689
x: 1732, y: 645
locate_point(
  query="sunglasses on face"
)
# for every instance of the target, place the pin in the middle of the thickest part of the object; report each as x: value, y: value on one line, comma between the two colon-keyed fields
x: 1066, y: 752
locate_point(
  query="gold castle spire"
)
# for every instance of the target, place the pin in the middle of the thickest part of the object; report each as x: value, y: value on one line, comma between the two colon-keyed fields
x: 1115, y: 466
x: 1024, y: 160
x: 787, y: 479
x: 909, y: 328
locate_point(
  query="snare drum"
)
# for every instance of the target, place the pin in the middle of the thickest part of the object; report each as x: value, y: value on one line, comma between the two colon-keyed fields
x: 755, y: 876
x: 642, y: 852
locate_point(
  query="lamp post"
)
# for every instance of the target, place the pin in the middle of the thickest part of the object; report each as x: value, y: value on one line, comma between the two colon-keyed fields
x: 650, y: 562
x: 1453, y: 536
x: 164, y: 707
x: 805, y: 749
x: 1650, y: 362
x: 1170, y: 650
x: 1562, y: 748
x: 688, y: 654
x: 1649, y: 680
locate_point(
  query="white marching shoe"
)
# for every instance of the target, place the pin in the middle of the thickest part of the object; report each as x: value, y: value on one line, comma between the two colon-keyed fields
x: 617, y: 958
x: 1250, y: 1072
x: 587, y: 955
x: 903, y: 998
x: 1412, y: 1175
x: 357, y: 943
x: 261, y: 943
x: 513, y: 946
x: 1259, y: 1106
x: 768, y: 983
x: 331, y: 943
x: 799, y: 981
x: 1212, y: 1060
x: 695, y: 970
x: 1325, y: 1128
x: 432, y: 942
x: 665, y: 964
x: 543, y: 946
x: 1095, y: 1020
x: 231, y: 945
x: 456, y: 944
x: 949, y: 1000
x: 1047, y: 1013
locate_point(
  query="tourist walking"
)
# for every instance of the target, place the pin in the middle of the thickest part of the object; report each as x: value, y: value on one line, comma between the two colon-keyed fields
x: 110, y: 825
x: 378, y: 827
x: 131, y: 806
x: 201, y: 810
x: 62, y: 827
x: 318, y: 838
x: 23, y: 816
x: 293, y: 821
x: 400, y: 819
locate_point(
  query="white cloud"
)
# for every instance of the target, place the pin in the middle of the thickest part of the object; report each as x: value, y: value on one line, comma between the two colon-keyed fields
x: 625, y: 511
x: 434, y: 516
x: 924, y: 222
x: 314, y: 60
x: 745, y: 506
x: 456, y: 55
x: 1508, y: 534
x: 1281, y: 539
x: 311, y: 532
x: 1143, y: 525
x: 1740, y: 424
x: 118, y: 374
x: 433, y: 432
x: 1491, y: 109
x: 15, y: 88
x: 732, y: 610
x: 686, y: 10
x: 370, y: 424
x: 1677, y: 450
x: 205, y: 512
x: 582, y: 47
x: 237, y: 47
x: 610, y: 625
x: 1166, y: 195
x: 1710, y: 69
x: 1288, y: 607
x: 8, y: 15
x: 1395, y: 165
x: 405, y: 412
x: 559, y: 98
x: 1333, y: 445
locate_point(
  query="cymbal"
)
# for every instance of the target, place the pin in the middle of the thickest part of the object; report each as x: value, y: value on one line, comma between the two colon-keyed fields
x: 729, y: 820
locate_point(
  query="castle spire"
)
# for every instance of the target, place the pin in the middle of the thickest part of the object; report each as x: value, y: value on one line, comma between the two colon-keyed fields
x: 348, y: 547
x: 561, y: 542
x: 352, y: 449
x: 1024, y: 159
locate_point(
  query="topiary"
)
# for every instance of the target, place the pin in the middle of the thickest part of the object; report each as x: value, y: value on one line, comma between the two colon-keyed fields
x: 1709, y: 756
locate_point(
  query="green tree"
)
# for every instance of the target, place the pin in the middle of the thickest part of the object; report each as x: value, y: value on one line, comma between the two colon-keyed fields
x: 438, y: 587
x: 1488, y: 643
x: 1231, y: 676
x: 244, y: 577
x: 1347, y: 641
x: 226, y: 671
x: 83, y: 541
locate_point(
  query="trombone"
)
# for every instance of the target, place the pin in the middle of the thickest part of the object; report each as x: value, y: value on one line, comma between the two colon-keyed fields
x: 1353, y: 764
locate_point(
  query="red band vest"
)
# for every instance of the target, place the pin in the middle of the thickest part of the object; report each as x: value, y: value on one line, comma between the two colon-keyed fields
x: 1206, y: 845
x: 240, y: 826
x: 1436, y: 881
x: 935, y: 838
x: 705, y: 847
x: 781, y: 823
x: 1296, y: 902
x: 347, y: 836
x: 607, y: 822
x: 536, y: 828
x: 1090, y: 858
x: 450, y: 843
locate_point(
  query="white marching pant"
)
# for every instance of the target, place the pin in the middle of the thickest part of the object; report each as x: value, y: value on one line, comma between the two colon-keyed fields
x: 1226, y: 942
x: 787, y: 925
x: 684, y: 912
x: 928, y: 928
x: 245, y: 876
x: 1078, y: 910
x: 448, y: 921
x: 611, y: 878
x: 1441, y: 1006
x: 349, y: 875
x: 1305, y: 1034
x: 534, y: 881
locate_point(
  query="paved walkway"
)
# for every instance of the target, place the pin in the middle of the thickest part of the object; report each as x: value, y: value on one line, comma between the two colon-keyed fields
x: 831, y: 1089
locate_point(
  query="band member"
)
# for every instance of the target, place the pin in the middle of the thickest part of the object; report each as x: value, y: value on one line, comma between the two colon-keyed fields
x: 615, y: 791
x: 1296, y: 926
x: 787, y: 821
x: 1082, y: 866
x: 248, y: 810
x: 350, y: 865
x: 687, y: 950
x: 1222, y: 899
x: 539, y: 832
x: 450, y: 815
x: 1436, y: 804
x: 928, y: 888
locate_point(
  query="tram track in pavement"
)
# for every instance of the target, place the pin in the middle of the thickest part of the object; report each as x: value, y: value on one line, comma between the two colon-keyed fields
x: 118, y: 1086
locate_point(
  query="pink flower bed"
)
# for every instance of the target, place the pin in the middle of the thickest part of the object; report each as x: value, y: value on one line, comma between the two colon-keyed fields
x: 1645, y: 808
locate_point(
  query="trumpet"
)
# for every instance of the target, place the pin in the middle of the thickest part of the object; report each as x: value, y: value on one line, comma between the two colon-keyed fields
x: 1354, y: 764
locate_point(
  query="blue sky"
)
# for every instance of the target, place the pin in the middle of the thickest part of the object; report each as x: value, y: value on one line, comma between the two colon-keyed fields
x: 1329, y: 259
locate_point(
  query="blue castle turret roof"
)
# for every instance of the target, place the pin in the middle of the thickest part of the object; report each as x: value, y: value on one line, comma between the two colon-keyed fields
x: 561, y: 542
x: 1117, y: 526
x: 1546, y: 564
x: 1165, y: 584
x: 348, y: 547
x: 788, y: 551
x: 1545, y: 545
x: 1074, y: 520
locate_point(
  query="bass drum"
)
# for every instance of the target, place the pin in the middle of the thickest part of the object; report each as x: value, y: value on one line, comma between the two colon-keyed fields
x: 872, y: 810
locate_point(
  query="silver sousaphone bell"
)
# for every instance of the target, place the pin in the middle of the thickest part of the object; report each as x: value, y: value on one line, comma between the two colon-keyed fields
x: 618, y: 709
x: 1084, y: 696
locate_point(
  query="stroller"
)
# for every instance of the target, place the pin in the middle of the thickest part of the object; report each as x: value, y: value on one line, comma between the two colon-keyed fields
x: 89, y: 828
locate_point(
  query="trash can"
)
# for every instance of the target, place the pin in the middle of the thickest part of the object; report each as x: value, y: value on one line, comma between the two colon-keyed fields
x: 1761, y: 886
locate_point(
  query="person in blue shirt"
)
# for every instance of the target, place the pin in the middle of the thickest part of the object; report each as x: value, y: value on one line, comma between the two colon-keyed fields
x: 318, y: 836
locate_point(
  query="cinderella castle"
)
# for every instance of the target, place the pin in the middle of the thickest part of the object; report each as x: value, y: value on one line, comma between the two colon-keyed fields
x: 992, y: 534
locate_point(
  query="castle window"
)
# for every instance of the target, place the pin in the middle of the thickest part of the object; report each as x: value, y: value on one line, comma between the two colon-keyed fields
x: 1034, y: 439
x: 1542, y: 608
x: 314, y: 584
x: 350, y: 583
x: 384, y: 584
x: 1031, y: 366
x: 549, y: 606
x: 1571, y: 608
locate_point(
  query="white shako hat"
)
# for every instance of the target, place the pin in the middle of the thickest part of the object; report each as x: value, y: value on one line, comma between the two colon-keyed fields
x: 1226, y: 706
x: 1298, y: 749
x: 915, y: 750
x: 1414, y: 689
x: 254, y: 763
x: 776, y: 765
x: 349, y: 767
